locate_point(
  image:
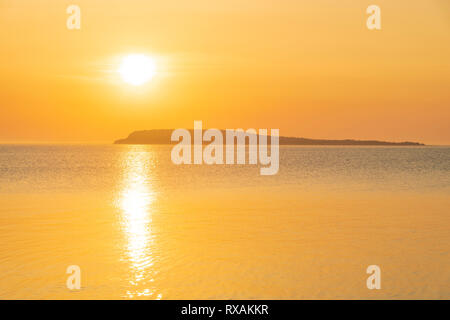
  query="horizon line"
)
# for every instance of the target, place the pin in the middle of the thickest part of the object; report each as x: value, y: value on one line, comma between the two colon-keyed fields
x: 108, y: 142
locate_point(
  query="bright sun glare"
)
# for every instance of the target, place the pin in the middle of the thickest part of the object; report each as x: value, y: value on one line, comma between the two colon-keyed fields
x: 137, y: 69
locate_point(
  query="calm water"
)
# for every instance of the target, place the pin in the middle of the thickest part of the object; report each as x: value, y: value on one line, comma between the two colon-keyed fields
x: 140, y: 227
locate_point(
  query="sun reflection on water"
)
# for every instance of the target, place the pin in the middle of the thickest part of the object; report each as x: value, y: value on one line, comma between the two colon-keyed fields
x: 135, y: 201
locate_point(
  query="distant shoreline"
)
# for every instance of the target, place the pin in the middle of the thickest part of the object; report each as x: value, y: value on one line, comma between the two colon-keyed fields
x: 162, y: 136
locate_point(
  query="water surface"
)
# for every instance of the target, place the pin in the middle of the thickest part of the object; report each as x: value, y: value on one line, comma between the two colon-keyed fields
x: 141, y: 227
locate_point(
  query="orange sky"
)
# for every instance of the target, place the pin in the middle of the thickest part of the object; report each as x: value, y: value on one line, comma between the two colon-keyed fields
x: 309, y: 68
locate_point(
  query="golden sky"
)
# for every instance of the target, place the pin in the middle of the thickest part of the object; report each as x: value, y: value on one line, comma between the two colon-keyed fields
x: 309, y: 68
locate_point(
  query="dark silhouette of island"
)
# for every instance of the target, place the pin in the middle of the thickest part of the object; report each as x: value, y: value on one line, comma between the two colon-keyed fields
x: 162, y: 136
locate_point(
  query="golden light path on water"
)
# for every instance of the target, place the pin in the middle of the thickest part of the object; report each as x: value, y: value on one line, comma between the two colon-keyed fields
x: 135, y: 202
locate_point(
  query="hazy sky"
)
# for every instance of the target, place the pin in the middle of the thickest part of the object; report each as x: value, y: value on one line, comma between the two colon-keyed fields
x: 309, y: 68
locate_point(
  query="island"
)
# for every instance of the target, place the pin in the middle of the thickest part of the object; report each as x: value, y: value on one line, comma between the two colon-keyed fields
x: 162, y: 136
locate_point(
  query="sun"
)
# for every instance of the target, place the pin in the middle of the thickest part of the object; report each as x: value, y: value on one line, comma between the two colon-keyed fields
x: 137, y: 69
